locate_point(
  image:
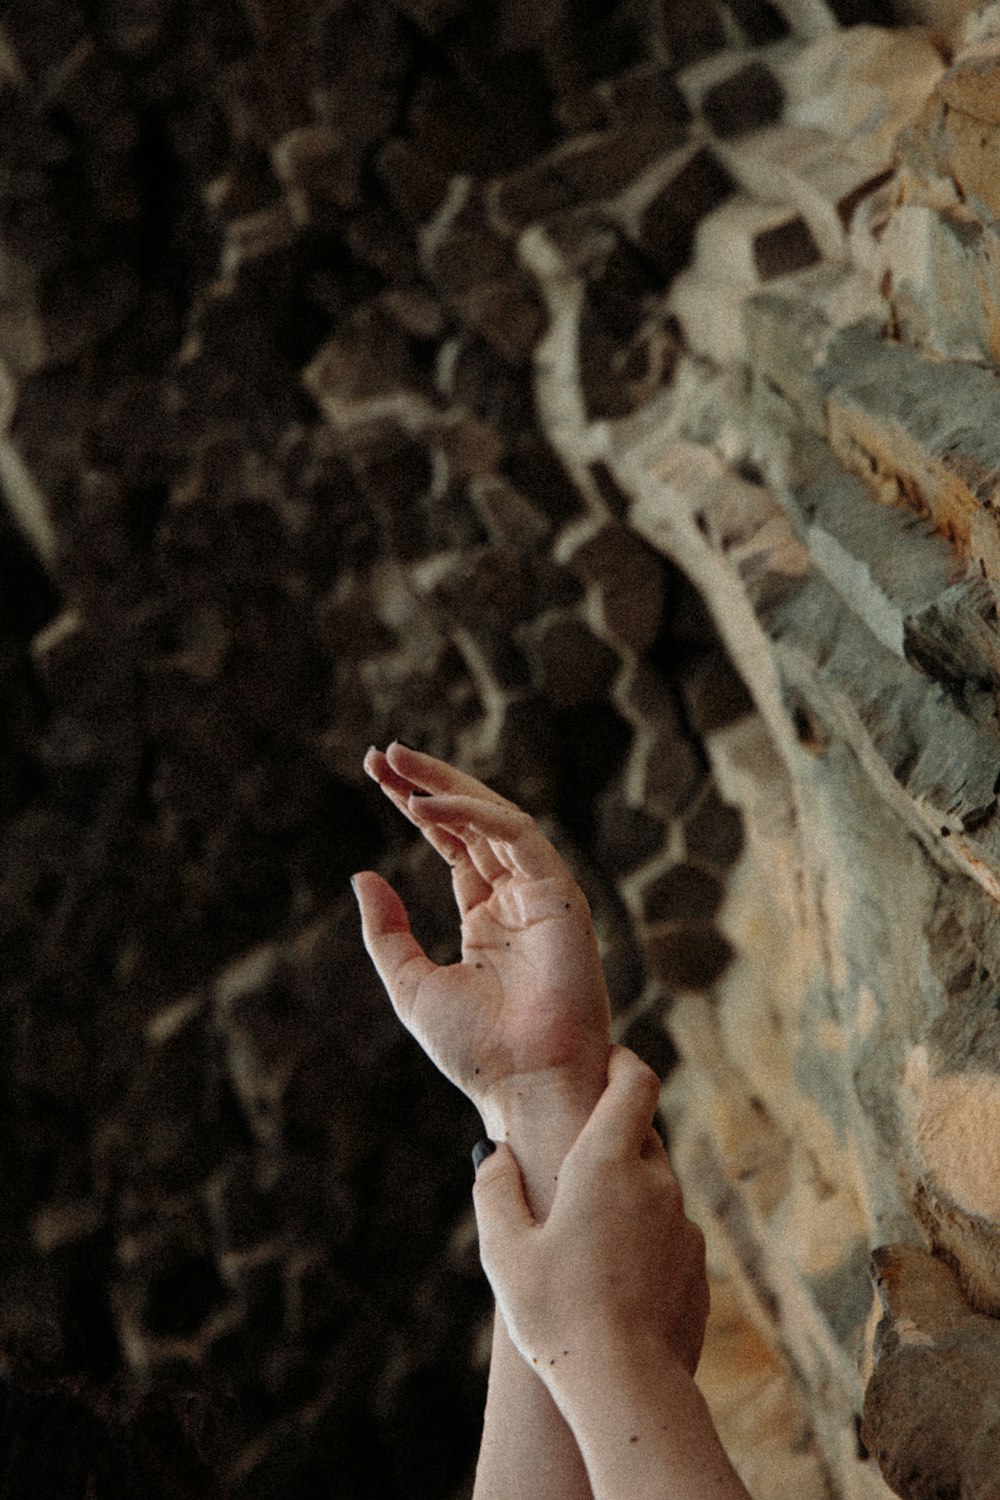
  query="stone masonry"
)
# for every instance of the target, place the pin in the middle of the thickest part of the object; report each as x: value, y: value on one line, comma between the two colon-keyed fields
x: 604, y: 398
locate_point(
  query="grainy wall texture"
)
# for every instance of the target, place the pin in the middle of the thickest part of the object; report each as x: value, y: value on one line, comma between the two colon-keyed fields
x: 604, y: 397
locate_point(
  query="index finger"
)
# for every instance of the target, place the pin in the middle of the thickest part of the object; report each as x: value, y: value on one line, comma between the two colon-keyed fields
x: 433, y: 775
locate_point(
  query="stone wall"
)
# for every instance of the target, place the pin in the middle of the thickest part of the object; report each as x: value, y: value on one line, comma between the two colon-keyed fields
x: 602, y: 397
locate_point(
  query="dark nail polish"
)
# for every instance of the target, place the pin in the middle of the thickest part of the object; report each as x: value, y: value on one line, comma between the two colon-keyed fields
x: 480, y: 1151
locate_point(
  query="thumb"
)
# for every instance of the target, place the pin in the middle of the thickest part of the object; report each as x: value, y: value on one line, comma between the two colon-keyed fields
x: 502, y: 1211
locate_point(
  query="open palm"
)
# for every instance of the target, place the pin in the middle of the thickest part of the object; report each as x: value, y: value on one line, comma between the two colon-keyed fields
x: 528, y: 996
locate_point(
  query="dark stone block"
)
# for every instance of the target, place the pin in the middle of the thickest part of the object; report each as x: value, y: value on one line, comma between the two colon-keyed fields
x: 508, y: 314
x: 618, y: 289
x: 483, y: 382
x: 183, y: 1295
x: 787, y: 248
x: 585, y: 170
x: 627, y: 836
x: 592, y: 741
x: 715, y: 694
x: 470, y: 126
x: 672, y: 773
x: 376, y: 238
x: 759, y: 20
x: 683, y: 894
x: 714, y: 832
x: 415, y: 181
x: 746, y: 100
x: 666, y: 234
x: 631, y: 580
x: 607, y: 394
x: 532, y: 467
x: 607, y: 43
x: 574, y: 667
x: 648, y: 1036
x: 692, y: 957
x: 694, y: 29
x: 649, y: 100
x: 470, y: 252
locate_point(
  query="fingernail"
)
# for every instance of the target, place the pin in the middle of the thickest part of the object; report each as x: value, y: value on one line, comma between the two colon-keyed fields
x: 480, y: 1151
x: 354, y: 887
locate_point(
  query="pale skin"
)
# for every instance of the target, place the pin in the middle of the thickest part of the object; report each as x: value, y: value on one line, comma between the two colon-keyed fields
x: 522, y: 1025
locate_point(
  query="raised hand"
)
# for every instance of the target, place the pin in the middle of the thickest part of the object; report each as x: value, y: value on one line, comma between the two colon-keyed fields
x: 528, y: 1001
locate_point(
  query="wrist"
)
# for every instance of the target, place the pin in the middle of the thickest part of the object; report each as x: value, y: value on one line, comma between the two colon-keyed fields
x: 540, y: 1115
x: 596, y: 1357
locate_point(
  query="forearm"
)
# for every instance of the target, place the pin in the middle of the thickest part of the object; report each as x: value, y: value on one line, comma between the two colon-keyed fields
x: 527, y: 1446
x: 643, y: 1427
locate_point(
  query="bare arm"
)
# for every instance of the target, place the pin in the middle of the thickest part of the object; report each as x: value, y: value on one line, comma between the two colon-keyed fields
x: 527, y: 1446
x: 521, y: 1025
x: 607, y: 1299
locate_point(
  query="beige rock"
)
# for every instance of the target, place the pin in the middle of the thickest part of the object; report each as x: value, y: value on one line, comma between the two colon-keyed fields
x: 972, y: 83
x: 838, y: 83
x: 973, y: 152
x: 710, y: 316
x: 945, y: 270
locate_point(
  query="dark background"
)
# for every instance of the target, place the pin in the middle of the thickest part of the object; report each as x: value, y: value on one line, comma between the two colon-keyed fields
x: 236, y: 1247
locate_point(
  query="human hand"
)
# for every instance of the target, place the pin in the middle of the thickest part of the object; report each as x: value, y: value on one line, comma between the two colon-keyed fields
x: 617, y: 1261
x: 527, y: 1006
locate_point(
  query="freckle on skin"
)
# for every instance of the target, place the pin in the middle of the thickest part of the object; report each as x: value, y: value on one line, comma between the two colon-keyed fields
x: 634, y: 1438
x: 479, y: 966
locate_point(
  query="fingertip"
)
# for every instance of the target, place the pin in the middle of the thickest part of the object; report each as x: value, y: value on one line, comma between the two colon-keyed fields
x: 489, y: 1158
x: 480, y: 1151
x: 624, y: 1060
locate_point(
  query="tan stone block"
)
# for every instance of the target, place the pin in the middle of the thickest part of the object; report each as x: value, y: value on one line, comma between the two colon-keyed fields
x: 863, y: 81
x: 752, y: 1149
x: 975, y: 159
x: 754, y: 1404
x: 953, y: 1123
x: 945, y: 292
x: 972, y: 83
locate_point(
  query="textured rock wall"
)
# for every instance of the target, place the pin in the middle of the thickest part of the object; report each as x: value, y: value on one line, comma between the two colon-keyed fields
x: 603, y: 397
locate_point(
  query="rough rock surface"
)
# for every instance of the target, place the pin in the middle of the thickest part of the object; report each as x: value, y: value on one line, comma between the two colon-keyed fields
x: 604, y: 398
